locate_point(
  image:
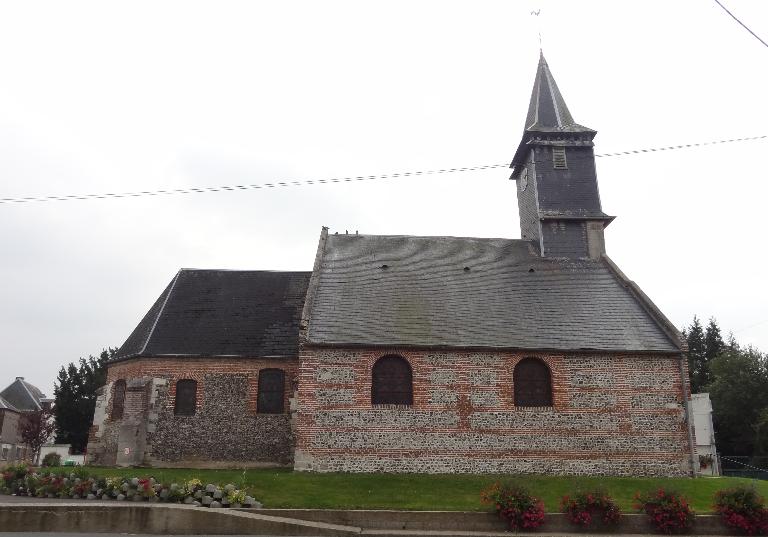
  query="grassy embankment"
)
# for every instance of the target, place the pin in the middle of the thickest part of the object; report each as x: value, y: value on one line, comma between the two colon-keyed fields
x: 279, y: 488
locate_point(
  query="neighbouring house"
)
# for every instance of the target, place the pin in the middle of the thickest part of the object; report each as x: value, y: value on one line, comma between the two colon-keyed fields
x: 18, y: 398
x: 706, y: 449
x: 418, y: 354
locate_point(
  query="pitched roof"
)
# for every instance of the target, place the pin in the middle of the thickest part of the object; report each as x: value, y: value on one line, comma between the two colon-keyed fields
x: 22, y: 396
x: 222, y: 313
x: 5, y: 405
x: 473, y: 293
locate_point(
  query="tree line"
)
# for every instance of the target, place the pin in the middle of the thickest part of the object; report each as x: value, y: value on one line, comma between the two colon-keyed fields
x: 736, y: 378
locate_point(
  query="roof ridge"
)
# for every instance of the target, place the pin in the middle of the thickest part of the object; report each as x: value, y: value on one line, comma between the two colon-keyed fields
x: 31, y: 395
x: 653, y: 311
x: 187, y: 269
x: 160, y: 313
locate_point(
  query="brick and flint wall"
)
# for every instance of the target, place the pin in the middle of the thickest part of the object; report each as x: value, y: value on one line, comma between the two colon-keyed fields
x: 611, y: 415
x: 225, y: 431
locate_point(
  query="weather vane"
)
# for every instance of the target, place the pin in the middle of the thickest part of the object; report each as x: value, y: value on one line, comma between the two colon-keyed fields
x: 536, y: 14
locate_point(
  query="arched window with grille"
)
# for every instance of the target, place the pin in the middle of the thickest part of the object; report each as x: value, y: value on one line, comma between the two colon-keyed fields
x: 271, y: 391
x: 118, y: 399
x: 533, y: 383
x: 186, y: 397
x: 392, y: 381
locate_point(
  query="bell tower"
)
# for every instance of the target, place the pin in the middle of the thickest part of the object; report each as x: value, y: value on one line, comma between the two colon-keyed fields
x: 554, y: 167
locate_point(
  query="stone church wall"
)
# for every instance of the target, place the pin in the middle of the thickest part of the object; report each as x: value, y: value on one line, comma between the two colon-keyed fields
x: 225, y: 431
x: 611, y: 415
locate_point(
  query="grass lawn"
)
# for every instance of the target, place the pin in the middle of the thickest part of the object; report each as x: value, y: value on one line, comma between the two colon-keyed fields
x: 284, y: 488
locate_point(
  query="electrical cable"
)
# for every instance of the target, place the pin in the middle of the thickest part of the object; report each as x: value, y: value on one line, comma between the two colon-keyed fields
x: 286, y: 183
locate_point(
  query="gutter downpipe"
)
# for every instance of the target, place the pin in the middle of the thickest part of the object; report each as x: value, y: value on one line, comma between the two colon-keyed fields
x: 688, y: 414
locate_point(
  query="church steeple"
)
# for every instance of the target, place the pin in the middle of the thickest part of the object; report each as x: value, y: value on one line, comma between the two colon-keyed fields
x: 554, y: 166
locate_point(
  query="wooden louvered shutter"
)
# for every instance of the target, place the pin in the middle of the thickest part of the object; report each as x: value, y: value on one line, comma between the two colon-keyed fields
x: 186, y: 397
x: 533, y: 383
x: 118, y: 399
x: 392, y: 382
x: 271, y: 391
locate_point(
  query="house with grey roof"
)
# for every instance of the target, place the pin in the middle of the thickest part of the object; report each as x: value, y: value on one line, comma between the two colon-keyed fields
x: 419, y: 354
x: 16, y: 399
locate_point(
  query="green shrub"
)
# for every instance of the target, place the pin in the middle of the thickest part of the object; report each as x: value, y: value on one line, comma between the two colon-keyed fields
x: 515, y: 504
x: 742, y: 509
x: 52, y: 459
x: 589, y: 508
x: 667, y: 511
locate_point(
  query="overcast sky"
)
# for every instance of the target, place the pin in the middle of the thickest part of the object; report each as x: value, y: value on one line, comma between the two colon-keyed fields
x: 113, y: 97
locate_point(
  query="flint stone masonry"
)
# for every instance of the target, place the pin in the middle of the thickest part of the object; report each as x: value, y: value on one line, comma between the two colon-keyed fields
x: 607, y: 466
x: 598, y: 424
x: 443, y: 397
x: 483, y: 378
x: 655, y: 400
x: 650, y: 379
x: 467, y: 442
x: 443, y: 376
x: 399, y: 418
x: 592, y: 400
x: 332, y: 396
x: 335, y: 375
x: 226, y: 430
x: 592, y: 379
x: 544, y: 419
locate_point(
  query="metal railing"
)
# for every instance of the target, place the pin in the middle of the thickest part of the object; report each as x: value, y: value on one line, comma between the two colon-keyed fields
x: 742, y: 466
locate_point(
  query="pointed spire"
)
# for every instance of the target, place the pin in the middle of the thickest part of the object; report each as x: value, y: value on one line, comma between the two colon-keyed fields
x: 547, y: 111
x: 548, y: 116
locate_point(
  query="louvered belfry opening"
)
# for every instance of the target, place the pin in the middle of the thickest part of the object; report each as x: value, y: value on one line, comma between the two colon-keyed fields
x: 186, y: 397
x: 118, y: 399
x: 392, y: 382
x: 271, y: 391
x: 533, y: 383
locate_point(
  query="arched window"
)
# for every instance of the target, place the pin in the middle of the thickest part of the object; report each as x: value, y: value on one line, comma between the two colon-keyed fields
x: 392, y: 382
x: 118, y: 399
x: 186, y: 397
x: 533, y: 383
x: 271, y: 391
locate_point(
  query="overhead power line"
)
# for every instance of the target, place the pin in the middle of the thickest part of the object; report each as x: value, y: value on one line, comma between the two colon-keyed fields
x: 287, y: 183
x: 742, y: 24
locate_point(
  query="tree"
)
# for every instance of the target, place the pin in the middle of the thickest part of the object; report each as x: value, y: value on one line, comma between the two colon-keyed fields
x: 739, y: 394
x: 35, y: 429
x: 697, y: 359
x: 713, y: 344
x: 75, y: 398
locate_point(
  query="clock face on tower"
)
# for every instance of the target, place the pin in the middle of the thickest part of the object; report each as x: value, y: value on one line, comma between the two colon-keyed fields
x: 523, y: 179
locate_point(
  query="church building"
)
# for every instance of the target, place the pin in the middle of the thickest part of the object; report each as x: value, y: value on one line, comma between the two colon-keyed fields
x: 418, y: 354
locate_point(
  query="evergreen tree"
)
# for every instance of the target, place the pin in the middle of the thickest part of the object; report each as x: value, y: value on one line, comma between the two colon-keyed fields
x: 694, y: 336
x: 75, y: 398
x: 739, y: 394
x: 713, y: 346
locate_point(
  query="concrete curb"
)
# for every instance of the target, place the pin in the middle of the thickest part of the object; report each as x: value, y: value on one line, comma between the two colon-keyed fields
x: 177, y: 519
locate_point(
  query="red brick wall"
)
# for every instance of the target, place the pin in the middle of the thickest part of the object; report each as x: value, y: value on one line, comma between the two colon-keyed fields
x: 175, y: 369
x: 611, y: 414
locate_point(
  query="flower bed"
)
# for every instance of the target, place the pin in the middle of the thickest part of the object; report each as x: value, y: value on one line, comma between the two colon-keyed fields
x: 514, y: 504
x: 21, y: 481
x: 591, y: 509
x: 668, y: 512
x: 743, y: 510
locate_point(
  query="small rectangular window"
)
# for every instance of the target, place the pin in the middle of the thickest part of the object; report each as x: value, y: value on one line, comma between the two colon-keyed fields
x: 186, y: 397
x: 558, y: 158
x: 271, y: 391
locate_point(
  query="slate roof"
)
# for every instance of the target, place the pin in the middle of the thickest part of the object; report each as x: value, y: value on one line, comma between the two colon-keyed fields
x: 22, y: 396
x: 5, y: 405
x: 222, y: 313
x: 547, y: 112
x: 509, y: 297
